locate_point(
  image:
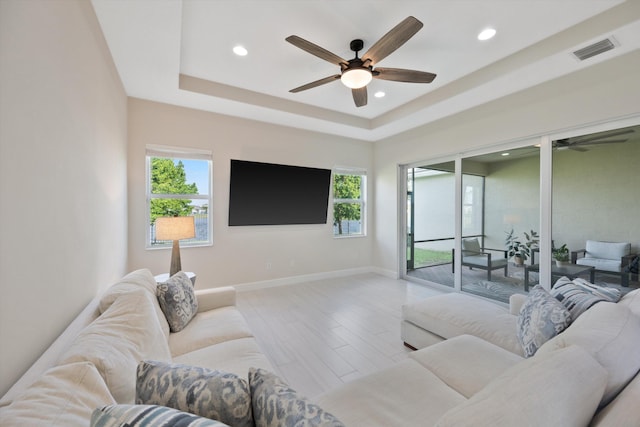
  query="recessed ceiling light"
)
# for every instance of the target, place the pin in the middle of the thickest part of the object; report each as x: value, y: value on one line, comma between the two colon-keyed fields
x: 505, y: 154
x: 486, y: 34
x: 379, y: 94
x: 240, y: 51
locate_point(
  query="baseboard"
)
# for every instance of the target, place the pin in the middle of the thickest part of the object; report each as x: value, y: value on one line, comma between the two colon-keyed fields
x: 294, y: 280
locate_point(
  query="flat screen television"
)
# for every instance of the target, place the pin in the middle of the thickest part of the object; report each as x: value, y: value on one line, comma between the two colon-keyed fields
x: 273, y: 194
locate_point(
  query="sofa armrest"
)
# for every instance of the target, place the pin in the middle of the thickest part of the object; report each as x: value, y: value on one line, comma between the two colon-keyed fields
x: 212, y: 298
x: 515, y: 303
x: 574, y: 255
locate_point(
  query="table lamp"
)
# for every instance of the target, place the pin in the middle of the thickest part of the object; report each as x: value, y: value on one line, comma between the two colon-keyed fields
x: 175, y: 228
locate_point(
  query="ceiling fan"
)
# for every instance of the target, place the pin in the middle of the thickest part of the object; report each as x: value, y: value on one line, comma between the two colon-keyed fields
x: 356, y: 73
x: 576, y: 143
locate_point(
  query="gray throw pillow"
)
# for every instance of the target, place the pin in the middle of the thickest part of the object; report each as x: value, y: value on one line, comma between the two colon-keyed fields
x: 177, y: 301
x: 541, y: 318
x: 275, y: 404
x: 579, y: 295
x: 146, y: 416
x: 205, y: 392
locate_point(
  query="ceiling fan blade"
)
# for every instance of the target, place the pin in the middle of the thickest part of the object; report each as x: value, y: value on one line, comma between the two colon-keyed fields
x: 602, y: 135
x: 391, y: 41
x: 316, y: 50
x: 316, y: 83
x: 360, y: 96
x: 604, y: 141
x: 400, y: 75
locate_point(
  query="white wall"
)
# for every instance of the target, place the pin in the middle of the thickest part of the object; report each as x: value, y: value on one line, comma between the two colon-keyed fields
x: 62, y: 173
x: 600, y: 93
x: 241, y: 255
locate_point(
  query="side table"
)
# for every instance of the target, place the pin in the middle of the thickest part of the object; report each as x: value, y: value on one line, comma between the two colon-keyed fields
x: 160, y: 278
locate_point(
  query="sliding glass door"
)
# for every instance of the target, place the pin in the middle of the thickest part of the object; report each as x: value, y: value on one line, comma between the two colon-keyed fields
x: 431, y: 222
x: 596, y: 206
x: 500, y: 221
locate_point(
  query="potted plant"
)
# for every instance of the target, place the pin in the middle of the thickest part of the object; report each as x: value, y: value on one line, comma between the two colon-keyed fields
x: 561, y: 255
x: 518, y: 249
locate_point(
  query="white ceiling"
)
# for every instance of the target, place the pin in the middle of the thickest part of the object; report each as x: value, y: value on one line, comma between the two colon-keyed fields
x: 180, y: 52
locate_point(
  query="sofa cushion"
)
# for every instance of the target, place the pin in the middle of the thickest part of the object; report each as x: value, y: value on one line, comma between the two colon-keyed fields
x: 235, y: 356
x: 632, y: 301
x: 204, y: 392
x: 405, y: 391
x: 118, y: 340
x: 601, y: 263
x: 611, y: 334
x: 275, y: 404
x: 177, y: 301
x: 65, y: 395
x: 578, y: 295
x: 454, y: 314
x: 466, y: 363
x: 139, y: 279
x: 560, y: 388
x: 541, y: 318
x: 208, y: 328
x: 606, y: 250
x: 147, y: 416
x: 623, y: 410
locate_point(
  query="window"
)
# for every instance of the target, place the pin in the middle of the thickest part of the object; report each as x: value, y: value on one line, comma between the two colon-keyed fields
x: 348, y: 202
x: 179, y: 184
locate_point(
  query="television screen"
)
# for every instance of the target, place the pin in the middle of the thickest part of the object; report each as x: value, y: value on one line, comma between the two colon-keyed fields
x: 272, y: 194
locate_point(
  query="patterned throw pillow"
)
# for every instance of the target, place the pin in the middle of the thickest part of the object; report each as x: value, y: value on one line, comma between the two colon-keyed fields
x: 177, y: 301
x: 275, y: 404
x: 541, y: 318
x: 212, y: 394
x: 578, y: 295
x: 147, y: 416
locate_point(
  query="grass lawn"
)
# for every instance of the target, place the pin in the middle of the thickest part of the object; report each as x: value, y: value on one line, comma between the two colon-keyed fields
x: 425, y: 257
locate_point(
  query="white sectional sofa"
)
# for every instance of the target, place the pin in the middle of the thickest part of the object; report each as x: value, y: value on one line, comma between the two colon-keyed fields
x: 608, y: 332
x: 94, y: 362
x: 464, y: 380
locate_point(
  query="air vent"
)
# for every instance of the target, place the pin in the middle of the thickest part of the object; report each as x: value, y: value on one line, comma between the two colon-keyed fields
x: 594, y: 49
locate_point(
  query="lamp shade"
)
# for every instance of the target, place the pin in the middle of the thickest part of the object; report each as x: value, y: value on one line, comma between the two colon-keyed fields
x: 175, y: 228
x: 356, y: 78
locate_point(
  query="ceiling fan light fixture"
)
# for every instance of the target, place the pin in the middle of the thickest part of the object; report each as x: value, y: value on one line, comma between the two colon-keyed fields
x: 240, y: 50
x: 356, y: 78
x: 486, y: 34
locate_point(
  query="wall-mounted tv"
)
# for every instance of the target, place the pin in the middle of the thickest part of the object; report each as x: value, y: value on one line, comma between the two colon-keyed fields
x: 273, y: 194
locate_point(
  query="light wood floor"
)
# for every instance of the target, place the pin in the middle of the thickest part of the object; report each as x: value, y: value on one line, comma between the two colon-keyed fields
x: 320, y: 334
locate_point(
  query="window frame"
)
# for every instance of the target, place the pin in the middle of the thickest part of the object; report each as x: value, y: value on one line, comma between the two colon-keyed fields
x: 178, y: 153
x: 361, y: 201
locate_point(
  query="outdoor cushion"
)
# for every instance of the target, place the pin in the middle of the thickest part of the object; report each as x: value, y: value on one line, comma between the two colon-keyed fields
x: 606, y: 250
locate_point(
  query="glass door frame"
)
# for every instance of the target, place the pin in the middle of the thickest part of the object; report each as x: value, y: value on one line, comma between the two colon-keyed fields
x: 546, y: 192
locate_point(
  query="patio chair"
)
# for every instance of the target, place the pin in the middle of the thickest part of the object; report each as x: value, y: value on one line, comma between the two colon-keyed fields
x: 607, y: 257
x: 473, y: 256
